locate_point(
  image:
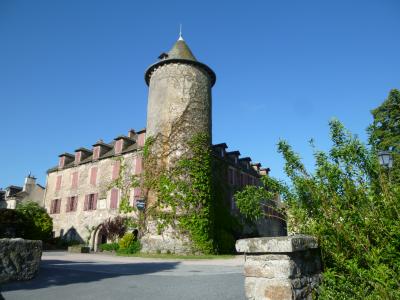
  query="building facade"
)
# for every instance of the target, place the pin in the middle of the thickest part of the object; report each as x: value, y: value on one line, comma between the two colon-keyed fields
x: 80, y: 195
x: 30, y: 191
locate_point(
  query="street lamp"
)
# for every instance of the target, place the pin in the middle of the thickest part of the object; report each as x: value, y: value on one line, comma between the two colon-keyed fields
x: 385, y: 159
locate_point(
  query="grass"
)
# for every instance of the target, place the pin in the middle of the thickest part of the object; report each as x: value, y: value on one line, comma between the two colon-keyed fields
x: 177, y: 256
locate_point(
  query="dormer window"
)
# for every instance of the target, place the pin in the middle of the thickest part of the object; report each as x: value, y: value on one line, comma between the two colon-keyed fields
x: 118, y: 146
x: 61, y: 162
x: 96, y: 152
x: 78, y: 156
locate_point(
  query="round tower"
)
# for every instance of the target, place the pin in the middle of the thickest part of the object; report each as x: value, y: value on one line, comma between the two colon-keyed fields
x: 179, y: 102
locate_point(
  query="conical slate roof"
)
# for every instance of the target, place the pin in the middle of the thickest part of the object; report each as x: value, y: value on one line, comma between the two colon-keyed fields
x: 179, y: 53
x: 181, y: 50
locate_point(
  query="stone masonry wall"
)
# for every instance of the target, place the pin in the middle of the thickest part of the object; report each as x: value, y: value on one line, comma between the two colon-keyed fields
x: 82, y: 220
x: 19, y: 259
x: 281, y: 268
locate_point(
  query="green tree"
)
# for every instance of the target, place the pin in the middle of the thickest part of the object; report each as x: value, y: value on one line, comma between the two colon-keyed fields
x: 39, y: 225
x: 384, y: 132
x: 354, y: 213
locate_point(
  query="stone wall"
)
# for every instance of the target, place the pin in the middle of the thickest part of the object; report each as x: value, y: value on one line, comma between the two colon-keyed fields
x: 19, y: 259
x: 280, y: 268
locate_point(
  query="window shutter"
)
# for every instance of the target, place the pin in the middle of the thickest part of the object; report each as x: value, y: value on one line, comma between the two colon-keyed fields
x: 68, y: 204
x: 114, y: 198
x: 75, y: 179
x: 58, y: 205
x: 116, y: 168
x: 85, y: 204
x: 137, y: 192
x: 93, y: 176
x: 58, y: 182
x: 75, y: 202
x: 95, y: 201
x: 138, y: 165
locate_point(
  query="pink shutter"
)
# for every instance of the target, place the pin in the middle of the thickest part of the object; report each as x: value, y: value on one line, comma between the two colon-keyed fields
x: 58, y: 205
x: 93, y: 175
x: 95, y: 201
x: 85, y: 204
x: 58, y: 182
x: 137, y: 193
x: 74, y: 180
x: 116, y: 168
x: 114, y: 198
x: 75, y: 202
x: 138, y: 165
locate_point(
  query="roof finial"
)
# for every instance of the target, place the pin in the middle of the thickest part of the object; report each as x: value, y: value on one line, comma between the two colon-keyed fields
x: 180, y: 33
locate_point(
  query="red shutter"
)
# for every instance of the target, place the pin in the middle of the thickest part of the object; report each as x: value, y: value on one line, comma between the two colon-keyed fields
x: 93, y: 175
x: 74, y: 180
x: 116, y: 168
x: 114, y: 198
x: 58, y: 182
x: 85, y: 204
x: 95, y: 201
x: 137, y: 193
x: 58, y: 205
x: 138, y: 165
x: 75, y: 203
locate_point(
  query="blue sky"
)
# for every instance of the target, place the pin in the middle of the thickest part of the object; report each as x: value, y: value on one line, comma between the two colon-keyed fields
x: 71, y: 72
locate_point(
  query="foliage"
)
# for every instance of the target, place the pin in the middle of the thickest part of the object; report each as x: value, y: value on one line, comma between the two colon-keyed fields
x: 252, y: 201
x: 128, y: 244
x: 38, y: 224
x: 115, y: 228
x: 353, y: 211
x: 109, y: 247
x: 12, y: 223
x: 384, y: 132
x: 184, y: 195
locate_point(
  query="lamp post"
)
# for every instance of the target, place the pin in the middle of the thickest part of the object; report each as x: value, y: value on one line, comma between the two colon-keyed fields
x: 385, y: 159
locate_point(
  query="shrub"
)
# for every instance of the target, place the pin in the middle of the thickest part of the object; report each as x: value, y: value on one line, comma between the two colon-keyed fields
x: 12, y: 223
x: 128, y: 244
x: 109, y: 247
x: 39, y: 224
x: 115, y: 228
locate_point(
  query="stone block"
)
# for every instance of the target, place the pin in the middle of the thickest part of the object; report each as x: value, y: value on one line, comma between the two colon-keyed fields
x: 268, y: 289
x: 281, y: 244
x: 19, y: 259
x: 268, y: 266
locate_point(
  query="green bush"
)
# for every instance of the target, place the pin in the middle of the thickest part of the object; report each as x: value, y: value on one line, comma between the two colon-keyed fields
x: 109, y: 247
x: 12, y: 223
x: 39, y: 225
x: 128, y: 244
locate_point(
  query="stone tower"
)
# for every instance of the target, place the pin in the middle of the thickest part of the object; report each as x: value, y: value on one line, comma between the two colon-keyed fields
x: 179, y: 107
x: 179, y: 103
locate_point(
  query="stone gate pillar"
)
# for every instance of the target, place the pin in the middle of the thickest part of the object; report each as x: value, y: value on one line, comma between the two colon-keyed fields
x: 281, y: 268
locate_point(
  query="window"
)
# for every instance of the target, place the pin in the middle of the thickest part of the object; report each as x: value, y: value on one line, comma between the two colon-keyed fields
x: 138, y: 165
x: 55, y: 206
x: 61, y: 162
x: 114, y: 199
x: 90, y: 202
x: 118, y: 146
x: 96, y: 152
x: 93, y: 176
x: 72, y: 204
x: 115, y: 172
x: 58, y: 182
x: 78, y: 157
x: 74, y: 180
x: 230, y: 176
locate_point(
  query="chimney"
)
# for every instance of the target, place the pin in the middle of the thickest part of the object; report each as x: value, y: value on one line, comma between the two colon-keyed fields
x: 29, y: 184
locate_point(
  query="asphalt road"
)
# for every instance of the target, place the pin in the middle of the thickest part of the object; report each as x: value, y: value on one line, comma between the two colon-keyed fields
x: 93, y: 276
